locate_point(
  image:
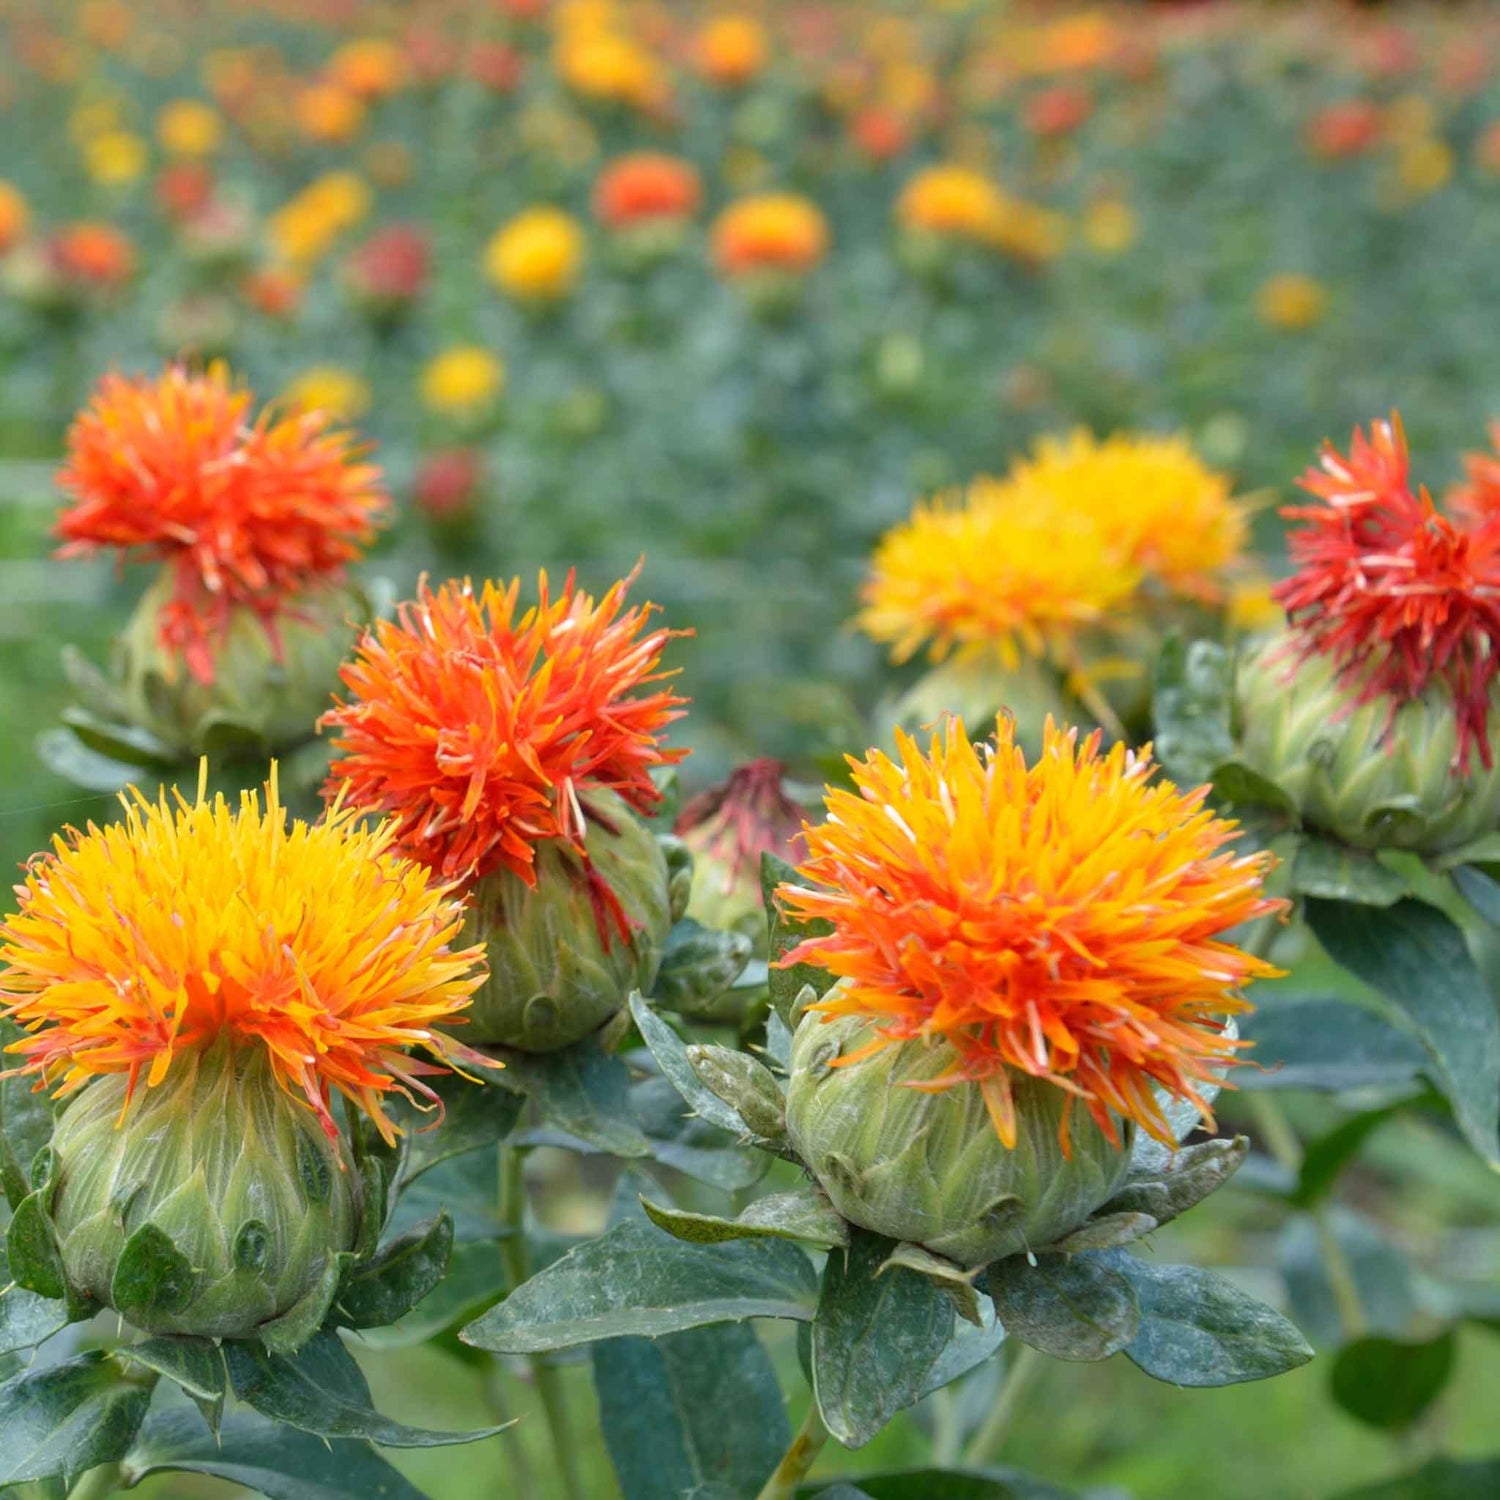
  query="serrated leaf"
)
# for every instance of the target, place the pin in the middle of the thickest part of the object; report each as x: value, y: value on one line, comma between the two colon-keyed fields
x: 399, y: 1276
x: 320, y: 1390
x: 197, y: 1365
x: 31, y: 1250
x: 806, y: 1216
x: 1075, y: 1307
x: 151, y: 1273
x: 636, y: 1281
x: 874, y: 1340
x: 582, y: 1090
x: 25, y: 1318
x: 1415, y: 957
x: 1333, y: 871
x: 698, y: 965
x: 667, y: 1423
x: 67, y: 1418
x: 474, y: 1115
x: 266, y: 1457
x: 671, y: 1056
x: 1198, y: 1329
x: 1185, y: 1177
x: 1390, y: 1383
x: 785, y: 933
x: 1326, y: 1044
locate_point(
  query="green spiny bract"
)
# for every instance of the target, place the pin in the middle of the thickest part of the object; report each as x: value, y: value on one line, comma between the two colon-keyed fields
x: 259, y: 700
x: 1353, y: 771
x: 927, y: 1166
x: 210, y: 1204
x: 554, y: 976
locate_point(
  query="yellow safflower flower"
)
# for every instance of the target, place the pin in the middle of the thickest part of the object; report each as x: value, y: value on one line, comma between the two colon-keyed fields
x: 1109, y: 226
x: 462, y: 381
x: 341, y: 393
x: 116, y: 158
x: 189, y: 128
x: 1291, y: 302
x: 537, y: 256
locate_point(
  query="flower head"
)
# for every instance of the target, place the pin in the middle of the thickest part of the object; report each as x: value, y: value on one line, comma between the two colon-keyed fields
x: 183, y: 924
x: 480, y: 728
x: 646, y: 187
x: 770, y: 232
x: 537, y: 256
x: 1060, y: 920
x: 244, y: 513
x: 464, y: 380
x: 1397, y: 594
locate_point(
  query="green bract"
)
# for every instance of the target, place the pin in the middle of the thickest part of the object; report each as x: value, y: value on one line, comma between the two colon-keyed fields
x: 212, y: 1204
x: 260, y: 699
x: 927, y: 1167
x: 553, y: 976
x: 1301, y: 729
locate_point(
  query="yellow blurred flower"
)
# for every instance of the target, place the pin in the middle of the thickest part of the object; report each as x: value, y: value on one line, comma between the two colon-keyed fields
x: 537, y: 256
x: 1251, y: 607
x: 329, y: 114
x: 1291, y: 302
x: 1424, y: 166
x: 15, y: 215
x: 1028, y: 231
x: 949, y: 199
x: 610, y: 68
x: 341, y: 393
x: 463, y: 381
x: 116, y: 158
x: 1109, y: 226
x: 368, y: 66
x: 189, y: 127
x: 781, y: 232
x: 731, y: 50
x: 304, y: 228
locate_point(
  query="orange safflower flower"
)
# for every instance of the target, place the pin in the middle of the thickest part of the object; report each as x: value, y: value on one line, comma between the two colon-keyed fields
x: 646, y: 186
x: 731, y: 50
x: 481, y: 730
x: 156, y: 936
x: 1397, y: 594
x: 1060, y: 920
x: 96, y: 254
x: 770, y: 232
x: 245, y: 513
x: 1349, y: 127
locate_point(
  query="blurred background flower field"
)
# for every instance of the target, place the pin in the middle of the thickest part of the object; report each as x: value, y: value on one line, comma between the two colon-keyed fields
x: 730, y: 289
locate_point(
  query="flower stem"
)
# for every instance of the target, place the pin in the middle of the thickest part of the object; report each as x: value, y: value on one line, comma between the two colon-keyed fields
x: 798, y: 1458
x: 1020, y: 1369
x: 545, y: 1376
x: 98, y: 1483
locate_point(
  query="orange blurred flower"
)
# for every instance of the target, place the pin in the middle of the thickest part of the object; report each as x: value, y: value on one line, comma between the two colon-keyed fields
x: 329, y: 114
x: 94, y: 254
x: 1348, y: 128
x: 368, y: 67
x: 15, y: 216
x: 1058, y: 110
x: 770, y: 232
x: 646, y: 186
x: 731, y: 50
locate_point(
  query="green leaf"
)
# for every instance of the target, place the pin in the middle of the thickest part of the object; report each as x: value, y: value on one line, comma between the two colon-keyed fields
x: 1240, y: 786
x: 25, y: 1318
x: 1389, y: 1383
x: 474, y: 1115
x: 67, y: 1418
x: 31, y: 1250
x: 1381, y: 1275
x: 1326, y: 1044
x: 671, y: 1057
x: 266, y: 1457
x: 970, y: 1346
x: 197, y: 1365
x: 583, y: 1090
x: 1326, y: 1157
x: 1075, y: 1307
x: 876, y: 1336
x: 748, y: 1087
x: 1183, y: 1178
x: 698, y: 964
x: 785, y: 933
x: 945, y: 1275
x: 1416, y: 957
x: 1437, y: 1479
x: 320, y: 1390
x: 65, y: 755
x: 1192, y: 695
x: 25, y: 1123
x: 635, y: 1280
x: 691, y: 1410
x: 1338, y: 873
x: 1480, y: 890
x: 941, y: 1484
x: 475, y: 1280
x: 400, y: 1275
x: 1104, y: 1232
x: 1199, y: 1329
x: 688, y: 1143
x: 126, y: 743
x: 151, y: 1274
x: 806, y: 1215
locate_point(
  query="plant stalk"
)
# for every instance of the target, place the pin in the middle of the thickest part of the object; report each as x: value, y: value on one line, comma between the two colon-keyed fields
x: 97, y: 1483
x: 798, y: 1458
x: 545, y: 1376
x: 1021, y: 1369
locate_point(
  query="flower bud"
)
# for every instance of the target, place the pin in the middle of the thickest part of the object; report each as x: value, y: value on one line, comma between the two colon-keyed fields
x: 927, y: 1166
x: 211, y: 1203
x: 745, y: 1085
x: 1354, y: 771
x: 559, y: 964
x: 260, y: 695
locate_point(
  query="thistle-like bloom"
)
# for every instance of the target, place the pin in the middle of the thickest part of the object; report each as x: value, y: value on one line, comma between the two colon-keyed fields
x: 1396, y: 594
x: 986, y: 571
x: 1060, y: 920
x: 243, y: 513
x: 479, y: 728
x: 183, y: 924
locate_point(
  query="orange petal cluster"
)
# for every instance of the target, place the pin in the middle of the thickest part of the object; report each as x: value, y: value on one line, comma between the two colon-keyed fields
x: 479, y: 729
x: 1061, y: 919
x: 154, y: 936
x: 1398, y: 594
x: 245, y: 512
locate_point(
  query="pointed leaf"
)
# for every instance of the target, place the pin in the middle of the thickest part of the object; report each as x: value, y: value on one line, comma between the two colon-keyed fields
x: 1104, y: 1232
x: 671, y: 1057
x: 1074, y: 1307
x: 806, y: 1215
x: 1416, y: 957
x: 698, y: 965
x: 635, y: 1280
x: 126, y: 743
x: 67, y: 1418
x: 25, y: 1318
x: 1390, y: 1383
x: 474, y: 1115
x: 320, y: 1390
x: 1185, y: 1177
x: 401, y: 1274
x: 197, y: 1365
x: 875, y: 1339
x: 31, y: 1250
x: 151, y: 1274
x: 583, y: 1090
x: 946, y: 1275
x: 1338, y: 873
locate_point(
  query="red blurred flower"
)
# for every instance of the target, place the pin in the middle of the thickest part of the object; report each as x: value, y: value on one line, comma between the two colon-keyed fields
x: 743, y: 818
x: 1399, y: 595
x: 390, y: 269
x: 495, y: 66
x: 184, y: 188
x: 880, y: 134
x: 1348, y: 128
x: 646, y: 185
x: 447, y: 481
x: 1058, y: 110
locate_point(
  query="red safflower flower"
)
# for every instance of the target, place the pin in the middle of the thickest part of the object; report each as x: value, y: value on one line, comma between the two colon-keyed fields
x: 446, y: 482
x: 245, y: 514
x: 1348, y: 128
x: 391, y: 267
x: 746, y: 816
x: 93, y: 254
x: 1398, y: 594
x: 646, y: 185
x: 480, y: 730
x: 1058, y: 110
